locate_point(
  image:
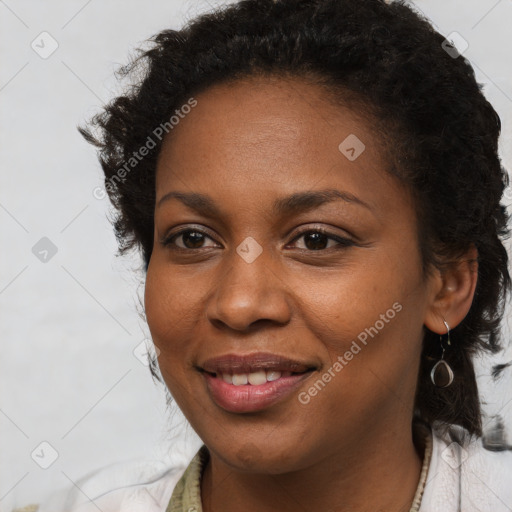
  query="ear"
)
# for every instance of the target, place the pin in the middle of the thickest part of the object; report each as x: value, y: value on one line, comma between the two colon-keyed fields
x: 452, y: 293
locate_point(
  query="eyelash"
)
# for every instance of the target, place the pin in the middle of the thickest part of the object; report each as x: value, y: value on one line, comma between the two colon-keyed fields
x: 342, y: 242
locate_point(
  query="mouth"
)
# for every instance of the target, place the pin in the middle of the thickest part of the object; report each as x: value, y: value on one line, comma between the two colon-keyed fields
x: 250, y: 383
x: 255, y: 378
x: 239, y: 364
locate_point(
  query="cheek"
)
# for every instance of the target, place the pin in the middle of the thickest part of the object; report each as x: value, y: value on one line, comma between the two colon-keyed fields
x: 157, y: 303
x: 169, y: 309
x: 369, y: 314
x: 171, y: 326
x: 340, y: 305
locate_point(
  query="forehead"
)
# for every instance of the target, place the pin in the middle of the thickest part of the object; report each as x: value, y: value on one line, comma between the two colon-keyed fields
x: 258, y: 110
x: 265, y: 133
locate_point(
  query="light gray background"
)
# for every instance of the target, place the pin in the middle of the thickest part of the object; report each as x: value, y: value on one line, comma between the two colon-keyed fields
x: 69, y: 376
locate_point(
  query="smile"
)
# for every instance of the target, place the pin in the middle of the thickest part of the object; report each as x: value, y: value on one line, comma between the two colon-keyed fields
x: 242, y: 396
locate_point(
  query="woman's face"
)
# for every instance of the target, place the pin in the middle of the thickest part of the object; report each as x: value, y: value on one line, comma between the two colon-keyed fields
x: 301, y: 251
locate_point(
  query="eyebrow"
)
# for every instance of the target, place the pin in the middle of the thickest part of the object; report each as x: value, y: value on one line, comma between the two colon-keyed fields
x: 292, y: 204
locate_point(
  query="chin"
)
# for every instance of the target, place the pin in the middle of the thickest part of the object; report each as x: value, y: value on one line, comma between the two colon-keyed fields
x: 261, y: 456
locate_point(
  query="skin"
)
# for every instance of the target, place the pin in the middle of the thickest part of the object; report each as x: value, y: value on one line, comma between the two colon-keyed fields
x: 245, y: 145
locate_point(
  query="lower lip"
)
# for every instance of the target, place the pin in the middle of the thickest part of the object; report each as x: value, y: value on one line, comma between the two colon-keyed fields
x: 249, y: 398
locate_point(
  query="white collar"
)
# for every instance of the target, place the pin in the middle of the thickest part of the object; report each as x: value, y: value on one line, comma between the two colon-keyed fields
x: 466, y: 477
x: 461, y: 478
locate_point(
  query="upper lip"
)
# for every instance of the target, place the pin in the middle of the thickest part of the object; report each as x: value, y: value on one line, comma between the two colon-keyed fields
x: 248, y: 363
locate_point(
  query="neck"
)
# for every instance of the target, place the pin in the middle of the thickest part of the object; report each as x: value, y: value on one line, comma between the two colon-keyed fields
x: 381, y: 473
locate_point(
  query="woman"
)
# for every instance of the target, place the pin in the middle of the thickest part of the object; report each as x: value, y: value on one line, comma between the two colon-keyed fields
x: 315, y: 190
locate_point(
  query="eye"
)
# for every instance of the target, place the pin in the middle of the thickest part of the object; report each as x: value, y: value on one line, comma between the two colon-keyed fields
x: 318, y: 239
x: 190, y: 239
x: 314, y: 240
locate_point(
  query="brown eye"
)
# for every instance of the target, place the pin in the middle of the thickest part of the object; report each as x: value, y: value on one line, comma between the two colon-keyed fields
x: 190, y: 239
x: 318, y: 239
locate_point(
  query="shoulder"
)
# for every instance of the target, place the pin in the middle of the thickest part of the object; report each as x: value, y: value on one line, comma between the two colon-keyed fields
x: 133, y: 486
x: 464, y: 475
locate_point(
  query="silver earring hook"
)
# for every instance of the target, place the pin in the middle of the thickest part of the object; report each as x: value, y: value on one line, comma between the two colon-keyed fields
x: 441, y: 374
x: 447, y: 339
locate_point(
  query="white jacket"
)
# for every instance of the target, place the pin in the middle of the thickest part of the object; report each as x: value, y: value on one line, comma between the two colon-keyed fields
x: 471, y: 479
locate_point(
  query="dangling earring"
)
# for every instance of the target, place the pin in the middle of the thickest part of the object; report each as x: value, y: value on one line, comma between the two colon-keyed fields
x: 441, y: 374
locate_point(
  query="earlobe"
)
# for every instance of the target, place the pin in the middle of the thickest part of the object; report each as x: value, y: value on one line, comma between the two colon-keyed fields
x: 452, y: 297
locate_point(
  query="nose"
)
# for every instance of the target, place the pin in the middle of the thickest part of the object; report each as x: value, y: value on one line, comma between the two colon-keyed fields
x: 250, y: 293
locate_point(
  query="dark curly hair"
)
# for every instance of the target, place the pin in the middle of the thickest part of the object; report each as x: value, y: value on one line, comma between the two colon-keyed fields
x: 438, y: 131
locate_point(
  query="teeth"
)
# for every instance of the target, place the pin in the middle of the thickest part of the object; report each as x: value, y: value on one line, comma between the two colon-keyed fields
x: 272, y: 375
x: 227, y: 378
x: 255, y: 378
x: 240, y: 379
